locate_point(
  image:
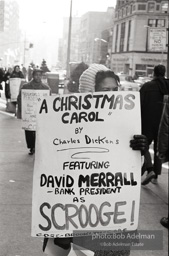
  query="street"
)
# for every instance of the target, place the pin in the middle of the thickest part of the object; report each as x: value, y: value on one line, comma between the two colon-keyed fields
x: 16, y: 173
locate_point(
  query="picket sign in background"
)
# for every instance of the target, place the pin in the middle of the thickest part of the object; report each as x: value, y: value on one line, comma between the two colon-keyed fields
x: 29, y: 103
x: 59, y: 145
x: 14, y: 84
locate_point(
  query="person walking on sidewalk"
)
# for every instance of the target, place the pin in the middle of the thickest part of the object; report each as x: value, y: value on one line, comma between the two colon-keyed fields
x: 97, y: 78
x: 34, y: 84
x: 1, y: 78
x: 16, y: 73
x: 152, y: 94
x: 6, y: 80
x: 163, y: 142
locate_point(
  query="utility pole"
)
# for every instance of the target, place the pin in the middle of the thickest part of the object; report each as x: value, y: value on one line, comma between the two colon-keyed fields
x: 24, y: 50
x: 69, y: 43
x: 168, y: 45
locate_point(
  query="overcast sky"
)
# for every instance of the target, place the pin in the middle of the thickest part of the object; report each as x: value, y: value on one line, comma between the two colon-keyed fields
x: 48, y: 14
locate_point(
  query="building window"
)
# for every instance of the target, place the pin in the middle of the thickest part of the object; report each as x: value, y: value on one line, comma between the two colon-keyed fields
x: 157, y: 7
x: 151, y: 7
x: 122, y: 36
x: 156, y: 23
x: 117, y: 33
x: 126, y: 10
x: 141, y: 7
x: 152, y: 23
x: 131, y: 9
x: 160, y: 23
x: 140, y: 67
x: 164, y: 7
x: 134, y: 7
x: 129, y: 34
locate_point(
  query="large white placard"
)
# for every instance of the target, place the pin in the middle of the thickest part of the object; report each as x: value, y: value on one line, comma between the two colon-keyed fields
x: 14, y: 84
x: 29, y: 103
x: 86, y: 176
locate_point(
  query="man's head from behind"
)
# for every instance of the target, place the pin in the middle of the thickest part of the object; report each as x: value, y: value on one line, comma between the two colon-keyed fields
x: 159, y: 70
x: 37, y: 75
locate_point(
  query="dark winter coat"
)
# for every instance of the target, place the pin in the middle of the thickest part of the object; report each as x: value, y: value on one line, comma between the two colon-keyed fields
x: 1, y: 78
x: 163, y: 134
x: 17, y: 74
x: 7, y: 88
x: 152, y: 94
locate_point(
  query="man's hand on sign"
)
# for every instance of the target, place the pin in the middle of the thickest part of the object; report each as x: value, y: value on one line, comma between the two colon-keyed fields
x: 139, y: 142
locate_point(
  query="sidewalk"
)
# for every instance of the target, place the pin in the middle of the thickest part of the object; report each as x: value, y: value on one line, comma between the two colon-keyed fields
x: 16, y: 173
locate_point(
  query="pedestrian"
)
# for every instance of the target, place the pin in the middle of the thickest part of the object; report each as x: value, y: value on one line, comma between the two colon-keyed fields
x: 95, y: 79
x: 163, y: 142
x: 30, y: 71
x: 73, y: 84
x: 1, y: 78
x: 24, y: 71
x: 152, y: 94
x: 135, y: 77
x: 6, y: 80
x: 34, y: 84
x: 16, y: 73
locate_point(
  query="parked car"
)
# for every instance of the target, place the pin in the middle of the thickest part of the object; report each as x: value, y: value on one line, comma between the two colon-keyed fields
x: 142, y: 80
x: 127, y: 83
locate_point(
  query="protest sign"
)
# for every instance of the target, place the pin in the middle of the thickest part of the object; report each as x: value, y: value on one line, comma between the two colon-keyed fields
x: 14, y: 84
x: 29, y: 103
x: 86, y: 177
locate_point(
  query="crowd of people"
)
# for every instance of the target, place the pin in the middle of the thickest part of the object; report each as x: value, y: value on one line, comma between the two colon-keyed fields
x: 154, y: 97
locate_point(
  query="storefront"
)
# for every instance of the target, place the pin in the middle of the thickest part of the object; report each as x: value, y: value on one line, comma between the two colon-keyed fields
x: 133, y: 63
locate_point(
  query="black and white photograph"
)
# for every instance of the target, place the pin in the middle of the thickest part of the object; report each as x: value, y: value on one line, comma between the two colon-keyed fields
x: 84, y: 127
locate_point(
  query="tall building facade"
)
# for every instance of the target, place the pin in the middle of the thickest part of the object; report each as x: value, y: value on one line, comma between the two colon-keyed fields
x: 140, y: 34
x: 91, y: 28
x: 10, y: 43
x: 107, y: 36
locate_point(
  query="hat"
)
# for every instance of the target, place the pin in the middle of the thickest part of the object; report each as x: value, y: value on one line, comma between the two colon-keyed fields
x: 87, y: 79
x: 36, y: 70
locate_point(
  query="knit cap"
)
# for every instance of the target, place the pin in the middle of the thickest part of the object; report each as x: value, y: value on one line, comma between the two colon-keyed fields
x: 87, y: 79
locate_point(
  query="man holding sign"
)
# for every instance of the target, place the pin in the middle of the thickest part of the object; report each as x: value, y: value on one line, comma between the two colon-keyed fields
x: 31, y: 96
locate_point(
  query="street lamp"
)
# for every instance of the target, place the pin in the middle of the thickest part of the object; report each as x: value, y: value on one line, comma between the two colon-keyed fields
x: 100, y: 39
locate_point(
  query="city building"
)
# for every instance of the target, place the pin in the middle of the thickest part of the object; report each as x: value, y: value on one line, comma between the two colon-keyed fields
x: 106, y: 39
x: 140, y: 36
x: 74, y: 45
x: 10, y: 43
x: 46, y: 50
x: 92, y: 44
